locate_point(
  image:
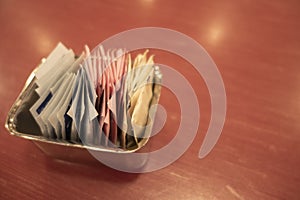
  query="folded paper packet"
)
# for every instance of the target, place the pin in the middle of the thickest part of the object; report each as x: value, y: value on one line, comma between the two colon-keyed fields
x: 99, y: 100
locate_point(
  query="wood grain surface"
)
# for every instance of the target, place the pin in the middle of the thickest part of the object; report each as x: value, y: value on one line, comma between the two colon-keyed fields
x: 256, y: 46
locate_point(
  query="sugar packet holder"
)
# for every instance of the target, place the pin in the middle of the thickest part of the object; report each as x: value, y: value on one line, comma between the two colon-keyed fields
x: 21, y: 123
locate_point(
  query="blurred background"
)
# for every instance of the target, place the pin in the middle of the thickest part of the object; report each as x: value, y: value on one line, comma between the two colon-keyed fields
x: 256, y: 46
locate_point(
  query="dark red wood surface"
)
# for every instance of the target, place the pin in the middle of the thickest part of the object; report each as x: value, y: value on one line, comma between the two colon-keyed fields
x: 256, y: 46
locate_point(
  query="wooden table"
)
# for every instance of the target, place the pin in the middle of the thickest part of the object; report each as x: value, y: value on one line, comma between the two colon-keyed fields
x: 256, y: 46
